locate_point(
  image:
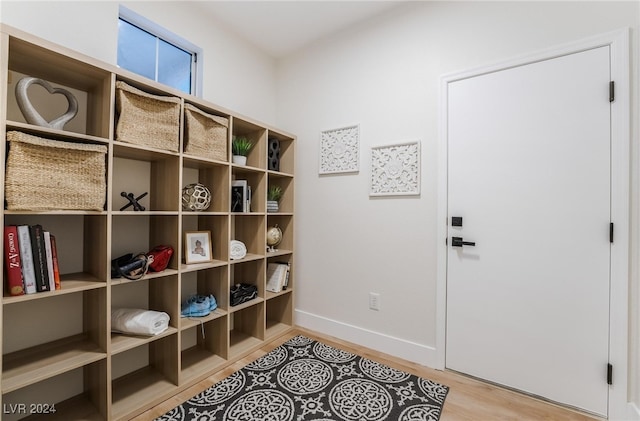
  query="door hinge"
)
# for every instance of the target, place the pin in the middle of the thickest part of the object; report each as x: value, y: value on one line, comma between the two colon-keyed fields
x: 612, y: 91
x: 609, y: 374
x: 611, y: 232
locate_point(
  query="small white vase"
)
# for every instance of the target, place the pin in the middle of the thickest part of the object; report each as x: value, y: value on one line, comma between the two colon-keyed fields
x: 239, y: 159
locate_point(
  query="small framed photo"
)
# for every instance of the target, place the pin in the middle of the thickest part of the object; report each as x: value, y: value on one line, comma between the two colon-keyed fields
x: 197, y: 247
x: 240, y: 196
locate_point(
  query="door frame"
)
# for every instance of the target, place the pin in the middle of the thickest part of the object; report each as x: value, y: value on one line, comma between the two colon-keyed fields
x: 618, y: 41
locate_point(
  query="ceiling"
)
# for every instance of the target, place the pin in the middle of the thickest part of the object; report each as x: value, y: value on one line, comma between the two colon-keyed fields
x: 280, y: 28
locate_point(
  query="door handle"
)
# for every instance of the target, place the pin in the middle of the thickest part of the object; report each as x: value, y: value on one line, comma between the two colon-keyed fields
x: 457, y: 242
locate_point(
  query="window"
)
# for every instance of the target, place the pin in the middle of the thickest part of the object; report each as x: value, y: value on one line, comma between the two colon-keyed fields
x: 153, y: 52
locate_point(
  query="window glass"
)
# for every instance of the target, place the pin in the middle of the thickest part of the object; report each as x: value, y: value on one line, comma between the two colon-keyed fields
x: 174, y: 66
x: 148, y: 55
x: 136, y: 50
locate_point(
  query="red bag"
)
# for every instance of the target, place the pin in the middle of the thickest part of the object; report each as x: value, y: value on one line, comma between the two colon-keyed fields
x: 161, y: 257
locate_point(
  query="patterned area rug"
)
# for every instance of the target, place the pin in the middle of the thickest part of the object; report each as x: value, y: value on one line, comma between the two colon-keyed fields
x: 306, y: 380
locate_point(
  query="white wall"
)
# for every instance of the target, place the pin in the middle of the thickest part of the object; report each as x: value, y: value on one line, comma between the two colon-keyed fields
x: 384, y: 75
x: 237, y: 75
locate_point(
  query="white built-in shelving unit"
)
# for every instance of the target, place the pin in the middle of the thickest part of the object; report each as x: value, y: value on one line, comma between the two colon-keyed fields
x: 57, y: 346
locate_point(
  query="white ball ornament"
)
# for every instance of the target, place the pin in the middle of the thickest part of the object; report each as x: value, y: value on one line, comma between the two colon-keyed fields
x: 196, y: 197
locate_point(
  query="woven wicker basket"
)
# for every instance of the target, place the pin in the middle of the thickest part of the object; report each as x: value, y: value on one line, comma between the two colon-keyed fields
x: 146, y: 119
x: 205, y: 134
x: 44, y: 174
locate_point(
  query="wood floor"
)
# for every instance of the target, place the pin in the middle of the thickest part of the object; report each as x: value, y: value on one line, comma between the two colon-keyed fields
x: 468, y: 399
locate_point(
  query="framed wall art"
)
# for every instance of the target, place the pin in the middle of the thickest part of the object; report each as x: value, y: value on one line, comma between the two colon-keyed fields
x: 197, y: 245
x: 340, y: 150
x: 395, y: 170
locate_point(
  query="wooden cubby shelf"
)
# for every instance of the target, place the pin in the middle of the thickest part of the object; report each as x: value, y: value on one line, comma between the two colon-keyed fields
x: 60, y: 342
x: 122, y: 342
x: 146, y: 384
x: 194, y: 267
x: 190, y: 322
x: 29, y: 366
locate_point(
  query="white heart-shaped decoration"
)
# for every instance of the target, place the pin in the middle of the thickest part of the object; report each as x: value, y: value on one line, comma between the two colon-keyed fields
x: 30, y: 113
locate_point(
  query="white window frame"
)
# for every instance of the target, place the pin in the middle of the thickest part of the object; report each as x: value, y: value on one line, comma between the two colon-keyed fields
x: 168, y: 36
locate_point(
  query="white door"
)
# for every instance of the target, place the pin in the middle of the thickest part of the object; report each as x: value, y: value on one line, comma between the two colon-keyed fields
x: 529, y: 173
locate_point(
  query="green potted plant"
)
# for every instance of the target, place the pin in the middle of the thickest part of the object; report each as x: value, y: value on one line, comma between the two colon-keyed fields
x: 274, y: 193
x: 240, y: 148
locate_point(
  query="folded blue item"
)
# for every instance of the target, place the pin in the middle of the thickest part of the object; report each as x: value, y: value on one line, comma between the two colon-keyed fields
x: 198, y: 306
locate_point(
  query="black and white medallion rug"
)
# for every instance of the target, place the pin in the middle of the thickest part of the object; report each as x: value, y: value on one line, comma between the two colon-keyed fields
x: 306, y: 380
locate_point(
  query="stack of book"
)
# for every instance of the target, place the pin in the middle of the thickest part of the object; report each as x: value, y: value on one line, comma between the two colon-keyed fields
x: 278, y: 276
x: 31, y: 260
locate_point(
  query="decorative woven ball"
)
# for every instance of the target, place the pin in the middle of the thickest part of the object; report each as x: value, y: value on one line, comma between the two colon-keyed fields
x: 196, y: 197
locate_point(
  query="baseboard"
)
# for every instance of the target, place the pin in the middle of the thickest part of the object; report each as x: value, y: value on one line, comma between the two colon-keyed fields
x: 634, y: 411
x: 400, y: 348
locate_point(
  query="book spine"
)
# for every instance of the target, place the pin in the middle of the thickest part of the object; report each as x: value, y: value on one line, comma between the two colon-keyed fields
x: 286, y: 276
x: 49, y: 259
x: 39, y: 258
x: 14, y: 282
x: 54, y: 259
x: 26, y: 258
x: 248, y: 204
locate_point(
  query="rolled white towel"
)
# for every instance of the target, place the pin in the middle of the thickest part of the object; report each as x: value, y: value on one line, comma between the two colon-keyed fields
x: 139, y: 322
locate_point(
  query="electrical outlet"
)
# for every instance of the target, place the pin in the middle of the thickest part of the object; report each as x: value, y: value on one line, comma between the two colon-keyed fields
x: 374, y: 301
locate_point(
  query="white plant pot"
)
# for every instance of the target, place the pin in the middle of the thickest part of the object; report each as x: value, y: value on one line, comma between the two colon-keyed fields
x: 239, y: 159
